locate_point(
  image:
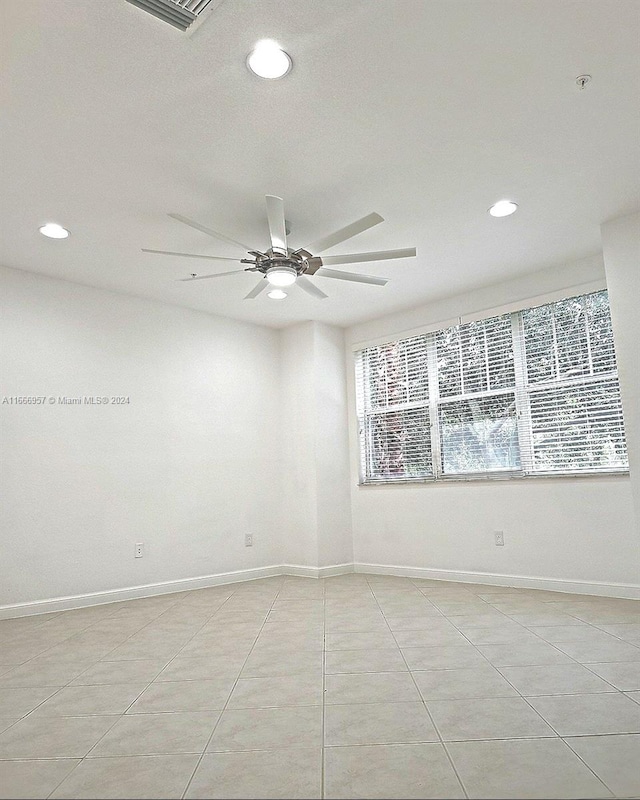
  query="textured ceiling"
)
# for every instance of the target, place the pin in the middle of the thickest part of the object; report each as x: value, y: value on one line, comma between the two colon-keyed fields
x: 426, y: 112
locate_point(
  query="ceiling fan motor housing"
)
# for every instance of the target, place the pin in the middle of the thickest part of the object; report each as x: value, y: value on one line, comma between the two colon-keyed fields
x: 294, y: 263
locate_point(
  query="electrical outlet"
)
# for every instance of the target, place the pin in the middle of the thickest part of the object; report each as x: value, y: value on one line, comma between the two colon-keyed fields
x: 248, y: 540
x: 139, y: 550
x: 499, y: 537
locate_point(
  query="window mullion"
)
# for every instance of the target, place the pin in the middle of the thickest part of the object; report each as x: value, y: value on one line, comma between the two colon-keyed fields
x: 362, y: 384
x: 585, y: 310
x: 554, y: 334
x: 486, y: 359
x: 523, y: 407
x: 461, y: 354
x: 434, y: 396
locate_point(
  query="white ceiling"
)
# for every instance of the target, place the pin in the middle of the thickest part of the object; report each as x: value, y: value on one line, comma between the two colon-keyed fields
x: 426, y: 111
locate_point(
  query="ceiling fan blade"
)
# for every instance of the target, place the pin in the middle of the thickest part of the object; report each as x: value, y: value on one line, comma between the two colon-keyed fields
x: 277, y: 225
x: 188, y: 255
x: 259, y: 287
x: 382, y: 255
x: 350, y: 276
x: 345, y: 233
x: 209, y: 231
x: 310, y: 288
x: 215, y: 275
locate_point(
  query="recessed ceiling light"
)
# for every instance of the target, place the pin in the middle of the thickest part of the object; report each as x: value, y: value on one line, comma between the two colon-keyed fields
x: 276, y: 294
x: 269, y: 60
x: 503, y: 208
x: 53, y: 231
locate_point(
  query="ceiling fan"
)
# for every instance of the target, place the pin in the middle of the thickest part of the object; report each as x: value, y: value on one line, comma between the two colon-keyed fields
x: 282, y: 266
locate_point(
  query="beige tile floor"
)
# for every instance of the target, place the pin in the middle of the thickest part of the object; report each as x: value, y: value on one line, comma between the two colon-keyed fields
x: 358, y: 686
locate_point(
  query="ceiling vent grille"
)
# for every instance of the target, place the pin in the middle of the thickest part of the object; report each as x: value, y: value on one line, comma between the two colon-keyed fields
x: 179, y: 13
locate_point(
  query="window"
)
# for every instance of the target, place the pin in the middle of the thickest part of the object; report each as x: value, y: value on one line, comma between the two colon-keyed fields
x: 394, y: 391
x: 476, y: 398
x: 530, y: 393
x: 570, y: 395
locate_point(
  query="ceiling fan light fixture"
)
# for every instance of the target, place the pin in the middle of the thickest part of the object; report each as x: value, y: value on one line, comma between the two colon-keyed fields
x: 268, y: 60
x: 276, y: 294
x: 53, y: 231
x: 281, y: 276
x: 503, y: 208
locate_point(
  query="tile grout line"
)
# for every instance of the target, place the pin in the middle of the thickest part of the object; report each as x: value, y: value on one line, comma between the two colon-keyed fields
x: 576, y: 662
x: 68, y: 685
x: 57, y: 644
x: 551, y: 644
x: 120, y: 716
x: 498, y: 669
x: 128, y: 638
x: 538, y: 738
x: 435, y: 727
x: 557, y: 734
x: 592, y: 771
x: 58, y: 785
x: 591, y: 626
x: 58, y: 689
x: 84, y: 630
x: 278, y: 596
x: 113, y: 613
x: 224, y: 708
x: 555, y: 737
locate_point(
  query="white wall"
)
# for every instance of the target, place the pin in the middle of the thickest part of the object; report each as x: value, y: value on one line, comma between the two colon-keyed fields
x: 585, y: 275
x: 565, y: 529
x: 314, y: 431
x: 297, y: 432
x: 234, y: 428
x: 621, y: 247
x: 189, y: 466
x: 559, y: 529
x: 335, y: 540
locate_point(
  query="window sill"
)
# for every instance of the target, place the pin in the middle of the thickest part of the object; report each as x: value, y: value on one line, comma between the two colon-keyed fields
x: 492, y: 478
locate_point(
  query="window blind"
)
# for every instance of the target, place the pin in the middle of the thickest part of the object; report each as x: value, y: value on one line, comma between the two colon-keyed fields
x: 476, y: 398
x: 570, y: 388
x: 393, y: 393
x: 530, y: 393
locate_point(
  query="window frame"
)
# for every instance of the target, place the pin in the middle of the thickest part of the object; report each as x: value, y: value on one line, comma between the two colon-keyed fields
x: 521, y: 390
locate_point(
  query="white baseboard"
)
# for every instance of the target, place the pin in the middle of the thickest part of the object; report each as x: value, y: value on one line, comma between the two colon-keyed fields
x: 134, y: 592
x: 317, y: 572
x: 623, y: 590
x: 631, y: 591
x: 167, y: 587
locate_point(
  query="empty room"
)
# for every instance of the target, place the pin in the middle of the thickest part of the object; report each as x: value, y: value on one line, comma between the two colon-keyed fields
x: 319, y: 399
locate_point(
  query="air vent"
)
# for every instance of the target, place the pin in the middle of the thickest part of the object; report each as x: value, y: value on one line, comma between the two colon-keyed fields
x: 179, y: 13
